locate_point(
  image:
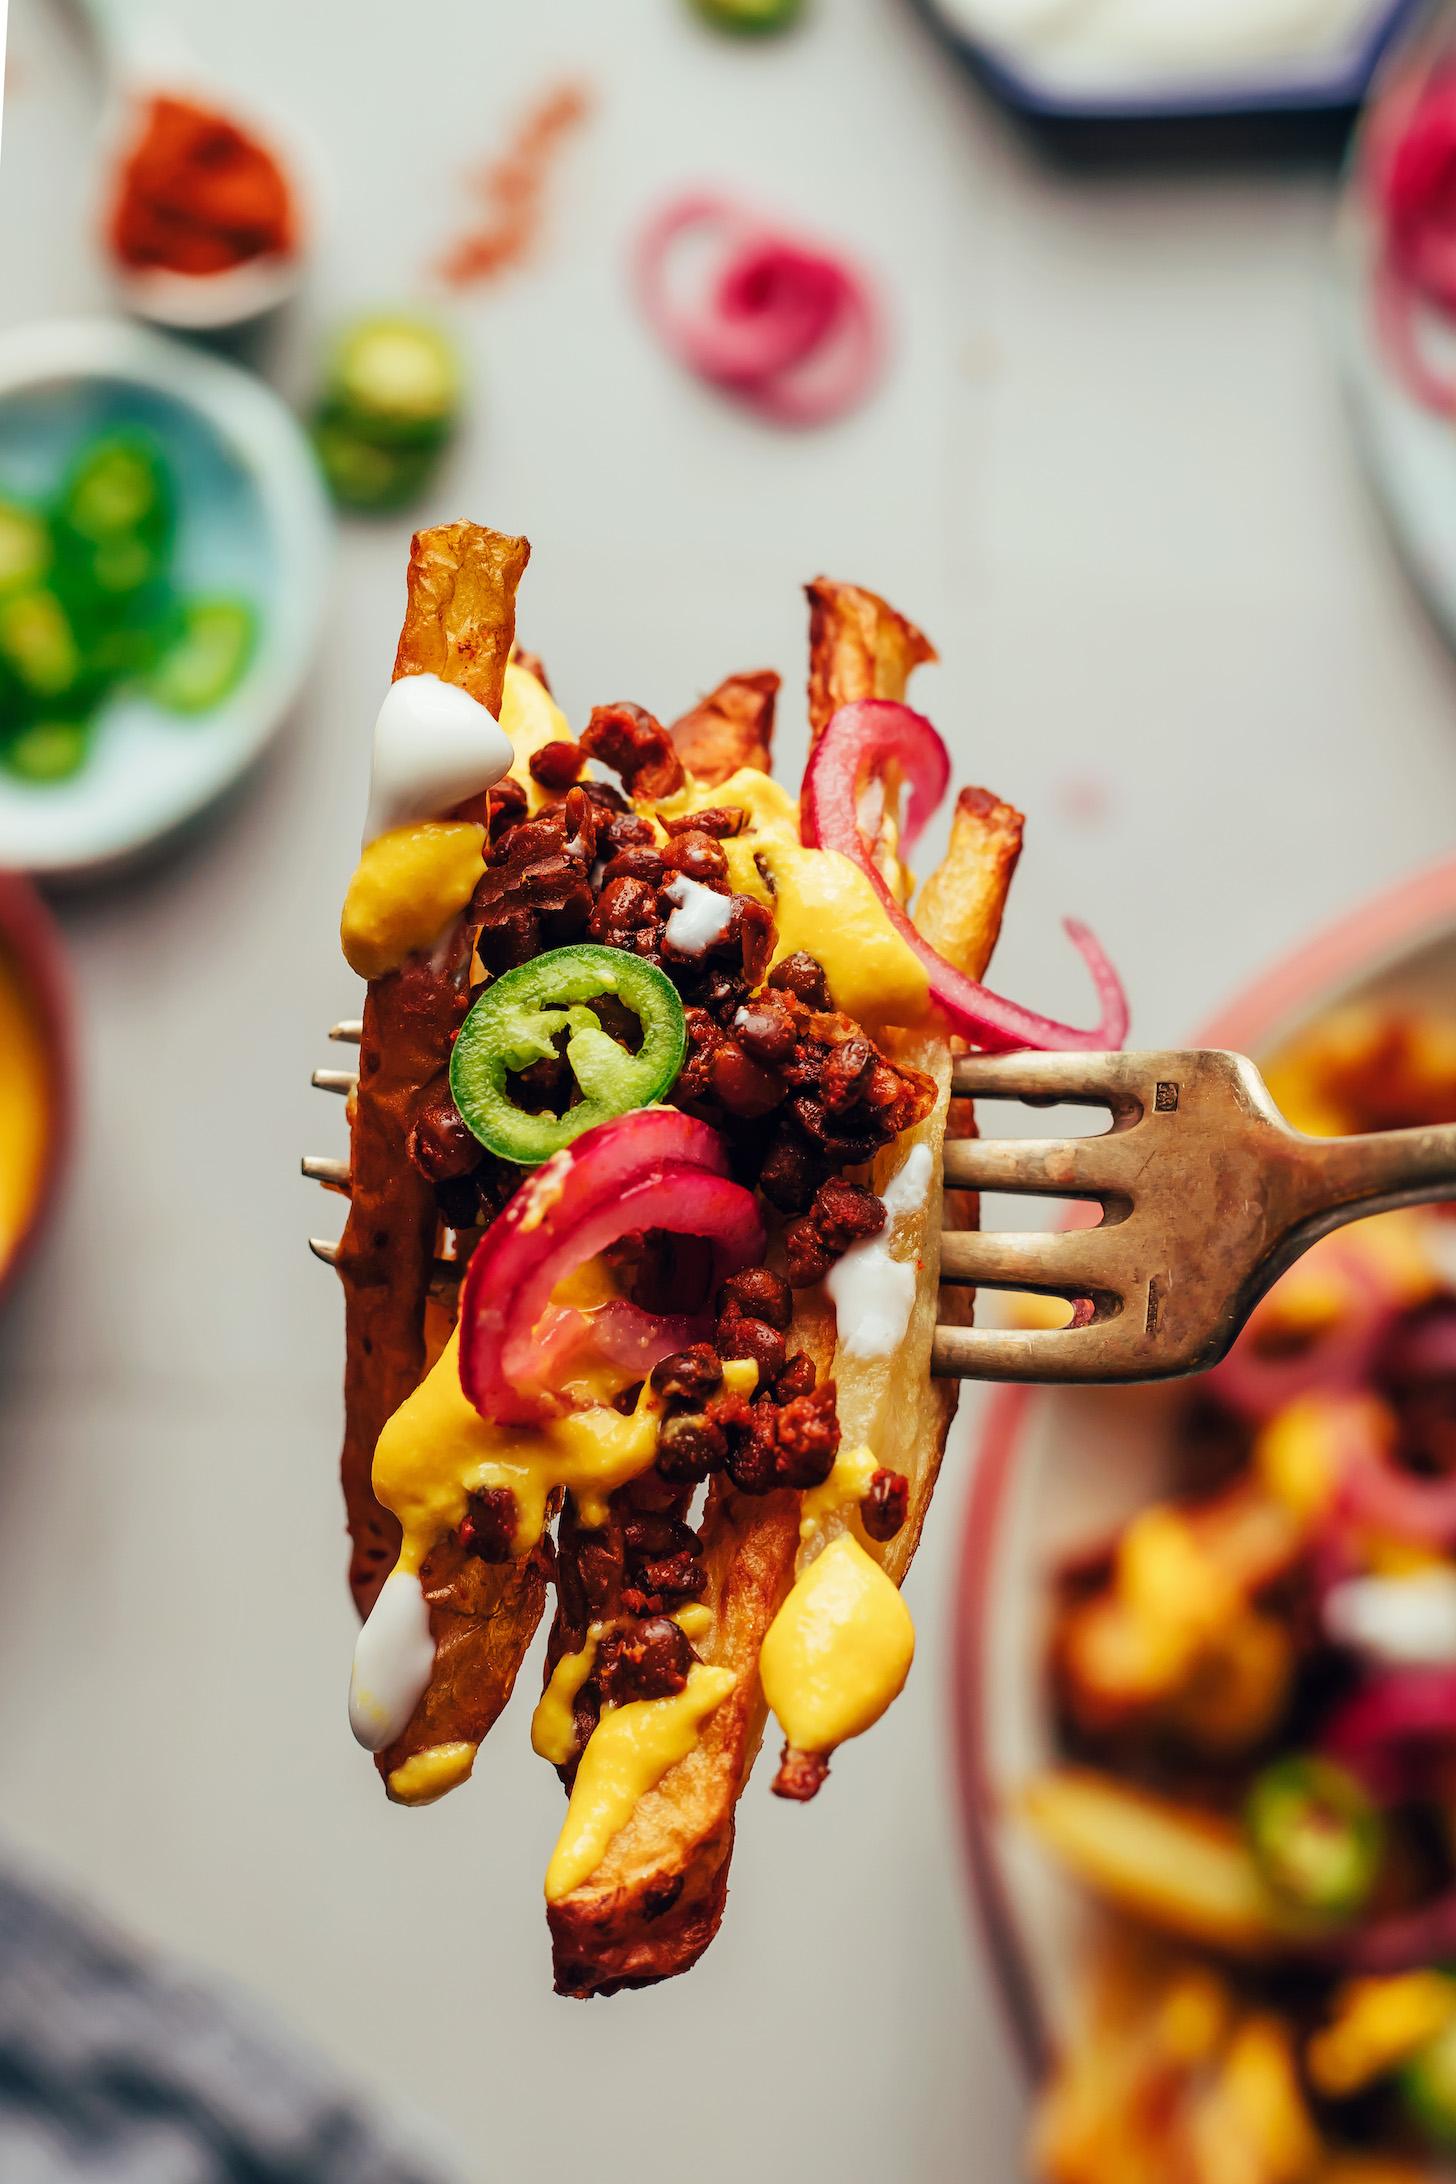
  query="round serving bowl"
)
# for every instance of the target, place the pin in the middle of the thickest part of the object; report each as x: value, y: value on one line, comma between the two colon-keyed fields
x: 252, y: 521
x: 1062, y: 1469
x: 31, y: 954
x: 1066, y: 61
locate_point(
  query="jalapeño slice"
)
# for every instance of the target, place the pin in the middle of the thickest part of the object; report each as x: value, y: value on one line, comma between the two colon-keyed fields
x: 1316, y: 1834
x: 1428, y: 2089
x: 517, y: 1021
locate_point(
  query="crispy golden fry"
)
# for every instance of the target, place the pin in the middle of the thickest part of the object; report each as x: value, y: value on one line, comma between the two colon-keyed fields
x: 654, y: 1903
x: 460, y: 613
x: 960, y: 910
x: 858, y: 648
x: 1185, y: 1873
x: 732, y: 727
x: 961, y: 904
x: 459, y: 624
x: 1170, y: 2074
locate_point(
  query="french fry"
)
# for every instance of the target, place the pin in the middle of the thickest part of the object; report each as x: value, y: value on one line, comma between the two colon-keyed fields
x: 731, y: 727
x: 613, y: 1929
x: 859, y: 647
x: 459, y: 624
x: 1182, y: 1872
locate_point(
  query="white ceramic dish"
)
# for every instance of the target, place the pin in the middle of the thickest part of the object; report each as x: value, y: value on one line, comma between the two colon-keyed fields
x: 1408, y: 449
x: 1166, y: 59
x: 1060, y: 1469
x: 252, y: 520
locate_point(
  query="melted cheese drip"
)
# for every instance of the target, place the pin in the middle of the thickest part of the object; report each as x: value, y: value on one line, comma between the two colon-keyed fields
x: 24, y: 1110
x: 821, y: 902
x: 408, y: 886
x: 553, y: 1729
x: 437, y: 1450
x: 629, y: 1752
x: 531, y: 718
x: 841, y: 1493
x: 839, y: 1649
x: 873, y: 1283
x: 424, y: 1776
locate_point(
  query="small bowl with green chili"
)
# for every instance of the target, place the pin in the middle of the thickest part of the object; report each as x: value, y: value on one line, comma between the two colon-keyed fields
x: 163, y: 545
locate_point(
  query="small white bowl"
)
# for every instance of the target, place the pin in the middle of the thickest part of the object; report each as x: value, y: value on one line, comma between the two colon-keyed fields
x: 252, y: 520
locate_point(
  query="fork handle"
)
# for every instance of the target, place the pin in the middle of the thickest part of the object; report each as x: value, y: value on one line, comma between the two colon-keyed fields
x: 1350, y: 1177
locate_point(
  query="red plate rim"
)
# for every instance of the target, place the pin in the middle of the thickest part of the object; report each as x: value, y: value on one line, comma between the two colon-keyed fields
x: 1358, y: 942
x: 29, y: 934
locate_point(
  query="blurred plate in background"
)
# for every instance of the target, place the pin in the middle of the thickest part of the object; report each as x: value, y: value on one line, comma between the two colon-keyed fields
x: 36, y: 1070
x: 1060, y: 1471
x: 1145, y: 60
x: 251, y: 522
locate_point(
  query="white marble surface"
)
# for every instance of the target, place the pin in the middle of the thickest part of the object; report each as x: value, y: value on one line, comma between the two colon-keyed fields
x: 1109, y: 474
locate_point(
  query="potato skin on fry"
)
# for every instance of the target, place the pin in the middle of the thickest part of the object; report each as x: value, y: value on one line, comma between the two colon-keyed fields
x: 656, y: 1900
x: 859, y: 647
x: 460, y: 616
x: 732, y: 727
x: 459, y: 624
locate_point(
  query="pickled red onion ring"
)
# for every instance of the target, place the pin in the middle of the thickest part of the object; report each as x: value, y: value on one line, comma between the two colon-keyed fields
x: 1411, y: 175
x: 1402, y: 1941
x: 655, y: 1168
x: 1377, y: 1492
x: 1379, y: 1734
x: 860, y: 742
x: 1337, y: 1361
x: 787, y: 326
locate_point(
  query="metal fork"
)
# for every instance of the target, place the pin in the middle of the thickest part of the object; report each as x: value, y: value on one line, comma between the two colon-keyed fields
x: 1207, y: 1197
x: 334, y: 1174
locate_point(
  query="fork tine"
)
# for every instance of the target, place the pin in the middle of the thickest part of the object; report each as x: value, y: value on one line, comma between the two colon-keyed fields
x: 1118, y: 1081
x: 990, y: 1353
x: 1025, y: 1075
x: 320, y: 1169
x: 1089, y: 1167
x: 1069, y: 1262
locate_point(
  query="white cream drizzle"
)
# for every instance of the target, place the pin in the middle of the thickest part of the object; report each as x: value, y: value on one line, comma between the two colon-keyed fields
x: 393, y: 1656
x: 434, y: 746
x: 873, y: 1291
x: 700, y: 916
x: 1404, y: 1622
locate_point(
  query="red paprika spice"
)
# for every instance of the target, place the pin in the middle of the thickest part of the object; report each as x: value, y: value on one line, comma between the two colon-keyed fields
x: 197, y: 195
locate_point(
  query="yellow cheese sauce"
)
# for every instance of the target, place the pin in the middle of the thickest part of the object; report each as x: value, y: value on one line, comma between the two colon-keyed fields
x: 408, y: 885
x: 437, y: 1450
x: 630, y: 1750
x: 25, y: 1089
x: 839, y: 1649
x: 821, y: 902
x: 530, y: 716
x: 841, y: 1493
x: 424, y: 1776
x: 553, y: 1733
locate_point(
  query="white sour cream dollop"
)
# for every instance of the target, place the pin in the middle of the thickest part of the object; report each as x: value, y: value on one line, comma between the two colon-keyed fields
x: 393, y: 1656
x: 434, y: 746
x: 873, y: 1291
x: 700, y: 917
x: 1403, y: 1622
